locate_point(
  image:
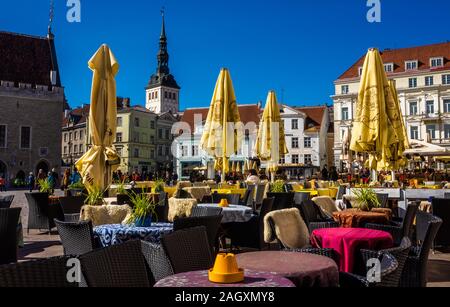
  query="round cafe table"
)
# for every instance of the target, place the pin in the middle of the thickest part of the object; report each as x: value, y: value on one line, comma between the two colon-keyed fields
x: 199, y: 279
x: 233, y: 213
x: 354, y: 218
x: 348, y: 241
x: 304, y: 270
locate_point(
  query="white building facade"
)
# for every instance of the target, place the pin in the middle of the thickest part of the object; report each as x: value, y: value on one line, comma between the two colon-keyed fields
x: 422, y: 76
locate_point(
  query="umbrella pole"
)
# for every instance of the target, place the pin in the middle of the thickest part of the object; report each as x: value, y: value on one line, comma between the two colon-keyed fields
x: 374, y: 176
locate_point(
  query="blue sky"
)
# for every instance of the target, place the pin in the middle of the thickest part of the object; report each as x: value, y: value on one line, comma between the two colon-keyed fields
x: 295, y: 47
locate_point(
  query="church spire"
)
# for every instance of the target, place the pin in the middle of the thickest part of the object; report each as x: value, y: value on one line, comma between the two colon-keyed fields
x: 50, y: 20
x: 163, y: 54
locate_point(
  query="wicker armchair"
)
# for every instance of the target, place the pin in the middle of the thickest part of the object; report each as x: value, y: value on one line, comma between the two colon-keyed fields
x: 162, y: 208
x: 399, y: 230
x: 71, y: 207
x: 188, y: 250
x: 76, y: 238
x: 441, y: 209
x: 211, y: 224
x: 251, y: 234
x: 247, y: 200
x: 45, y: 273
x: 383, y: 199
x: 6, y: 201
x: 206, y: 211
x: 416, y: 267
x: 314, y: 217
x: 400, y: 253
x: 118, y: 266
x: 282, y: 200
x: 157, y: 260
x: 41, y: 214
x: 389, y: 266
x: 300, y: 197
x: 9, y: 219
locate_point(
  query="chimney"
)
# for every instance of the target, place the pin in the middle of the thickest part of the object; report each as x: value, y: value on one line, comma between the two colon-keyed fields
x: 259, y: 104
x: 66, y: 113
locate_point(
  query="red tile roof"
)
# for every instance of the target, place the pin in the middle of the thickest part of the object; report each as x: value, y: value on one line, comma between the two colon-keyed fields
x: 248, y: 114
x: 399, y: 56
x: 26, y: 59
x: 76, y: 116
x: 314, y: 116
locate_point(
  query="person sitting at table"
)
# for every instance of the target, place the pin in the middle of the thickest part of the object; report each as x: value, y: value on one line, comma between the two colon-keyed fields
x: 253, y: 177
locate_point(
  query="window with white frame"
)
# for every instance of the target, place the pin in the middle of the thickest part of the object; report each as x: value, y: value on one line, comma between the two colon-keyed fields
x: 136, y: 137
x: 184, y: 151
x: 344, y: 114
x: 412, y: 82
x: 136, y: 122
x: 152, y: 124
x: 3, y: 136
x: 294, y: 143
x: 447, y: 105
x: 411, y: 65
x: 389, y: 67
x: 295, y: 124
x: 81, y: 148
x: 119, y: 151
x: 119, y: 122
x: 282, y: 161
x: 119, y: 137
x: 446, y: 79
x: 344, y: 89
x: 65, y: 150
x: 430, y: 107
x: 414, y: 133
x: 437, y: 62
x: 447, y: 132
x: 413, y: 108
x: 195, y: 150
x: 431, y: 131
x: 308, y: 142
x: 65, y: 137
x: 25, y: 137
x: 308, y: 159
x: 295, y: 159
x: 429, y: 81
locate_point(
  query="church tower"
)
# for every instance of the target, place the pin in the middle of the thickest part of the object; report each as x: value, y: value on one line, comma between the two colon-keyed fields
x: 162, y: 91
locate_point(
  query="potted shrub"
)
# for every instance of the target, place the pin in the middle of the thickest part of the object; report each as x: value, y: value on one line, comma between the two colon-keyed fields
x: 366, y: 199
x: 143, y: 210
x: 45, y: 186
x: 159, y: 186
x: 283, y: 200
x: 95, y: 197
x: 76, y: 189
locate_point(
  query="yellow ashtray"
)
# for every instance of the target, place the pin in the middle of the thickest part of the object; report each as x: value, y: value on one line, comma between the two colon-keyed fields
x: 226, y: 270
x: 223, y: 203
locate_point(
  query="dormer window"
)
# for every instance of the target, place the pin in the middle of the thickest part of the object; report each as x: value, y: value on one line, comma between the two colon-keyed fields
x: 411, y: 65
x: 360, y: 69
x: 344, y: 89
x: 436, y: 62
x: 389, y: 67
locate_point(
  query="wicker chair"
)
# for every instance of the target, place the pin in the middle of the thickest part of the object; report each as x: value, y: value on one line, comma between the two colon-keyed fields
x: 6, y: 201
x: 118, y: 266
x: 206, y: 211
x: 157, y: 260
x: 211, y: 224
x: 399, y: 230
x: 282, y: 200
x: 233, y: 199
x: 41, y: 214
x: 416, y: 267
x: 162, y: 208
x: 400, y: 253
x: 9, y: 219
x: 251, y: 234
x: 43, y: 273
x: 383, y: 200
x: 76, y: 238
x: 314, y: 217
x: 259, y: 194
x: 389, y: 266
x: 441, y: 209
x: 300, y: 197
x: 247, y: 200
x: 71, y: 207
x: 188, y: 250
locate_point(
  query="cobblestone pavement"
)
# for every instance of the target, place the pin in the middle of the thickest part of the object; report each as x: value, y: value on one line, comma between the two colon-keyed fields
x: 43, y: 245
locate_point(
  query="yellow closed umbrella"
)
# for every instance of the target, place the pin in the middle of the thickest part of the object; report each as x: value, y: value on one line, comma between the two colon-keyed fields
x: 233, y: 167
x: 246, y: 167
x: 271, y: 141
x: 97, y: 165
x: 223, y: 130
x: 377, y: 115
x: 238, y: 167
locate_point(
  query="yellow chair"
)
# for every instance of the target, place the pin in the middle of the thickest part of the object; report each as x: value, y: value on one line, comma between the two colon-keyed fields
x: 324, y: 192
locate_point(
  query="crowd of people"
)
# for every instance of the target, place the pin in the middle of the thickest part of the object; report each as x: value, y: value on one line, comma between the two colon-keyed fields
x: 168, y: 177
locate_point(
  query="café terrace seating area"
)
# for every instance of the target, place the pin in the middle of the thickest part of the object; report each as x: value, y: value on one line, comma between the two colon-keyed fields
x: 312, y: 234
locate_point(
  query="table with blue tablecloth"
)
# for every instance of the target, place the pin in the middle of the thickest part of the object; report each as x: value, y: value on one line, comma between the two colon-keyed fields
x: 116, y: 234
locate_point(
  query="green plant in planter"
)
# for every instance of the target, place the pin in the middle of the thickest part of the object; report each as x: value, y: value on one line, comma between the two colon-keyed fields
x: 366, y: 199
x: 143, y: 210
x: 76, y: 186
x: 45, y: 186
x: 278, y: 187
x: 121, y: 188
x: 159, y: 186
x: 95, y: 197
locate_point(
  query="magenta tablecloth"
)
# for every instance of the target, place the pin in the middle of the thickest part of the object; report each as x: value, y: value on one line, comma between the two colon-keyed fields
x: 200, y: 279
x: 304, y: 270
x: 348, y: 241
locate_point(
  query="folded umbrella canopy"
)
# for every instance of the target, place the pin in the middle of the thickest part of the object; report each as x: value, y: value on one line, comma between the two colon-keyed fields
x: 223, y: 130
x: 377, y: 123
x: 97, y: 165
x: 271, y: 141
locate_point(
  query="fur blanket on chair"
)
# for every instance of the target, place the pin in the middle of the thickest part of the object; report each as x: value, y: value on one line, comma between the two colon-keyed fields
x: 105, y: 215
x: 179, y: 208
x: 327, y: 204
x: 289, y: 228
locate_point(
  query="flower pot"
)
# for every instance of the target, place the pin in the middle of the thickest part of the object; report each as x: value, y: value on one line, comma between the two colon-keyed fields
x: 144, y: 222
